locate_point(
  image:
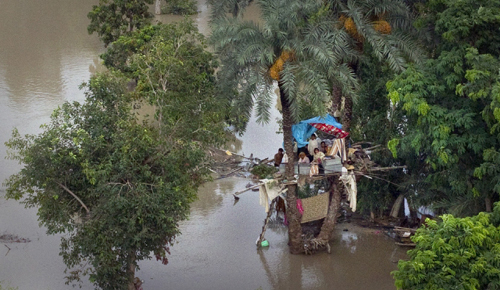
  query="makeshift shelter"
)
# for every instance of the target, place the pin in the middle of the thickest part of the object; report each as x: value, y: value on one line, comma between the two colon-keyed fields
x: 304, y: 129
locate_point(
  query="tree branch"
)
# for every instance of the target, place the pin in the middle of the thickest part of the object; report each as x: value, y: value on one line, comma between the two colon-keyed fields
x: 74, y: 195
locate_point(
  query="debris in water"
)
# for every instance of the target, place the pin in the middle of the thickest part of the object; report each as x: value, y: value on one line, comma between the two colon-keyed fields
x: 8, y: 238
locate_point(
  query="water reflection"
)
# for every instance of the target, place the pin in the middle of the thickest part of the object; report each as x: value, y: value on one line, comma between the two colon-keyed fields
x: 349, y: 240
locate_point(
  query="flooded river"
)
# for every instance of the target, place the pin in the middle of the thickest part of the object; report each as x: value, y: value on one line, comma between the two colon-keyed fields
x: 45, y: 53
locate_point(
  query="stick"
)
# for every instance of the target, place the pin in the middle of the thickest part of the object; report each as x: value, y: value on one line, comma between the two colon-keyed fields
x: 7, y: 248
x: 250, y: 188
x: 373, y: 147
x: 76, y: 197
x: 226, y: 175
x: 406, y: 244
x: 362, y: 142
x: 264, y: 227
x: 249, y: 158
x: 265, y: 161
x: 386, y: 168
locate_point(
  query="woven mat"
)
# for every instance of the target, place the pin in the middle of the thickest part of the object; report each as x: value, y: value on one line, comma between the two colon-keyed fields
x: 315, y: 207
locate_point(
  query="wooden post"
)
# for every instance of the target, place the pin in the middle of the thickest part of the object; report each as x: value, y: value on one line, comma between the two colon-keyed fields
x: 158, y: 7
x: 266, y: 221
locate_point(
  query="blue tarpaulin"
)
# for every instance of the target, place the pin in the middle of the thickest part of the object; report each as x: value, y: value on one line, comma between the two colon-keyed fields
x: 303, y: 130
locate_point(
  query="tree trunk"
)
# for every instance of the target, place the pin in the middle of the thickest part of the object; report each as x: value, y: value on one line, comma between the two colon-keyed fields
x: 336, y: 101
x: 347, y: 117
x: 488, y: 204
x: 292, y: 213
x: 397, y: 206
x: 131, y: 271
x: 158, y: 7
x: 331, y: 219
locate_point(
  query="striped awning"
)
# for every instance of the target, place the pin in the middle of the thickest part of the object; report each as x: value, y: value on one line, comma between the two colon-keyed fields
x: 330, y: 129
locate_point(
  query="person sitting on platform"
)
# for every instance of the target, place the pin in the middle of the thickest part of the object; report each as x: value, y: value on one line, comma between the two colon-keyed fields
x: 318, y: 159
x: 324, y: 147
x: 303, y: 159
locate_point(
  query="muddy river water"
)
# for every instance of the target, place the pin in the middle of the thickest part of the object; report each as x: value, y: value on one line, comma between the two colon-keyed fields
x: 45, y: 53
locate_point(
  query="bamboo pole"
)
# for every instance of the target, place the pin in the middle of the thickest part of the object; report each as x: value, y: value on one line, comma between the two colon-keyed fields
x: 266, y: 221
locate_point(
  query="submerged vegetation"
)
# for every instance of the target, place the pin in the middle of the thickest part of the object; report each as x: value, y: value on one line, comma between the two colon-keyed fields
x: 180, y: 7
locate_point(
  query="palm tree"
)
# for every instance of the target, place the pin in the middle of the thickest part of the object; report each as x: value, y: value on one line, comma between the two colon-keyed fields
x: 382, y: 28
x: 304, y: 48
x: 299, y: 49
x: 385, y: 27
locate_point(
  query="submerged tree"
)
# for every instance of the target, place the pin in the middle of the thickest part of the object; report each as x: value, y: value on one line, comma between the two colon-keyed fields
x: 112, y: 18
x: 181, y: 7
x: 116, y: 185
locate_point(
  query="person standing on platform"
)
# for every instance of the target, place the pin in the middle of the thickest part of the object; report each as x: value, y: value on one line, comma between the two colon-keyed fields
x: 314, y: 143
x: 278, y: 157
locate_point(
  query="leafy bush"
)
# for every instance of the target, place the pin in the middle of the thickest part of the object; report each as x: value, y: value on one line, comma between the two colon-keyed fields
x: 457, y: 253
x: 181, y: 7
x: 263, y: 171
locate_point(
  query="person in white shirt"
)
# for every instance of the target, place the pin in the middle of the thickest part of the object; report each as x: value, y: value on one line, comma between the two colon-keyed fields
x: 313, y: 144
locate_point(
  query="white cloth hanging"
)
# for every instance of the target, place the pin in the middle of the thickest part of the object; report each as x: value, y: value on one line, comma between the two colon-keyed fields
x: 269, y: 189
x: 349, y: 180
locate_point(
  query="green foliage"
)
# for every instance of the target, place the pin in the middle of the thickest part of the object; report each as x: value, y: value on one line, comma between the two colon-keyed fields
x: 112, y: 18
x: 449, y: 105
x: 115, y: 185
x: 181, y: 7
x: 247, y: 51
x: 119, y: 52
x: 7, y: 287
x: 456, y: 253
x: 221, y: 7
x: 263, y: 171
x: 376, y: 120
x: 176, y: 75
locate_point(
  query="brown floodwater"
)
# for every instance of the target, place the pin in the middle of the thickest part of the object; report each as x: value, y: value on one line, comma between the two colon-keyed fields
x: 45, y: 53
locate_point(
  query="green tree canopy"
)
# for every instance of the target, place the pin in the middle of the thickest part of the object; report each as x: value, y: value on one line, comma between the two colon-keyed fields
x: 116, y: 185
x: 456, y: 253
x: 112, y: 18
x: 449, y: 104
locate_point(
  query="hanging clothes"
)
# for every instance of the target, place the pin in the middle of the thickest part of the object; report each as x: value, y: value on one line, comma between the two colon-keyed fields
x: 314, y: 170
x: 338, y: 149
x: 349, y: 180
x: 269, y: 189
